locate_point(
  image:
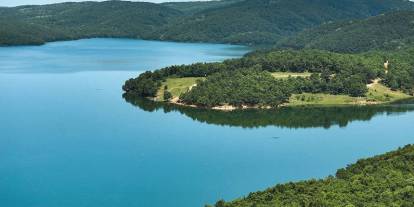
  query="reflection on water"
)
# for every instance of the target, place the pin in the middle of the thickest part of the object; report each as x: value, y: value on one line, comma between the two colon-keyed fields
x: 290, y: 117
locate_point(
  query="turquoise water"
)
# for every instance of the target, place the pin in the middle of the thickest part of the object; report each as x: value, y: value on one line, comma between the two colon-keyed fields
x: 68, y: 137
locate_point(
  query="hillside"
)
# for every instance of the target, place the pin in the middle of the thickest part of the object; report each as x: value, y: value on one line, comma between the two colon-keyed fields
x: 256, y: 22
x: 385, y: 32
x: 385, y: 180
x: 266, y: 21
x: 192, y: 7
x: 82, y: 20
x: 18, y: 32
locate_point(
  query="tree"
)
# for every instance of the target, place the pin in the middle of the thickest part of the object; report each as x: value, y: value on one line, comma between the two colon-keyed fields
x: 167, y: 96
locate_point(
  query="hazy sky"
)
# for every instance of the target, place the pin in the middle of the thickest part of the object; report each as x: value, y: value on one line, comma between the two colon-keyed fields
x: 31, y: 2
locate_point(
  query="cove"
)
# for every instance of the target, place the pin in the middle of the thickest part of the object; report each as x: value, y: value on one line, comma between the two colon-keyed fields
x: 69, y: 138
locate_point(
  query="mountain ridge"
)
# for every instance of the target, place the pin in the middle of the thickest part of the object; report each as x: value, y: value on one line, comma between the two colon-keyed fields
x: 249, y: 22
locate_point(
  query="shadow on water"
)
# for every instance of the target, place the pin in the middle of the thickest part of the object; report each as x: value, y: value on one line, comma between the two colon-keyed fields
x: 289, y: 117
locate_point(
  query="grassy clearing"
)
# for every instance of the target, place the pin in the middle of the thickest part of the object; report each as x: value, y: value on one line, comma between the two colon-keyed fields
x: 381, y: 93
x: 377, y: 93
x: 323, y: 99
x: 177, y: 86
x: 290, y: 74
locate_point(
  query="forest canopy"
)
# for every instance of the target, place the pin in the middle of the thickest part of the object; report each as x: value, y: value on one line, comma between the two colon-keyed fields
x: 385, y: 180
x: 390, y: 31
x: 247, y: 81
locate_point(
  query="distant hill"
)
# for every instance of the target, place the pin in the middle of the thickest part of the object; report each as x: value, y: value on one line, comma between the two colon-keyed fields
x: 18, y: 33
x: 390, y: 31
x: 229, y: 21
x: 266, y: 21
x: 82, y: 20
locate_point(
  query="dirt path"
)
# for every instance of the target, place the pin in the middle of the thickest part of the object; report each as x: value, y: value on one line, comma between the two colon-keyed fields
x: 375, y: 82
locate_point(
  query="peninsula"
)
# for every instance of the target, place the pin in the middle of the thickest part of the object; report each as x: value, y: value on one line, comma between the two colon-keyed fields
x: 282, y: 77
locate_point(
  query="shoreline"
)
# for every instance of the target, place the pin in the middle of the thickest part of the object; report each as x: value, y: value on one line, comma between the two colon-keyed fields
x: 228, y: 108
x: 125, y: 38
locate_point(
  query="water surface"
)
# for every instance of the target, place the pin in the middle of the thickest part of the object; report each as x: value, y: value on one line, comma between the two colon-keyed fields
x: 68, y: 137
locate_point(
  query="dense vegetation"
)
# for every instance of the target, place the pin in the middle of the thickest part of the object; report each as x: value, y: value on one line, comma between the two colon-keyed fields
x: 82, y: 20
x: 233, y: 21
x: 18, y: 32
x: 266, y: 21
x: 385, y: 32
x: 249, y: 87
x: 385, y: 180
x: 193, y: 7
x: 243, y: 82
x: 401, y: 71
x: 146, y: 85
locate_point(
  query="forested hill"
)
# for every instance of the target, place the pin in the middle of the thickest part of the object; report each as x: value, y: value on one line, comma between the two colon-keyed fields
x: 192, y: 7
x: 82, y: 20
x: 265, y: 21
x: 388, y: 31
x: 15, y: 32
x: 231, y: 21
x: 386, y: 180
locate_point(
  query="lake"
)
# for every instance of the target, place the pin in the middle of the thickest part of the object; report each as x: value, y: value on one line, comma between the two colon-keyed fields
x: 68, y: 137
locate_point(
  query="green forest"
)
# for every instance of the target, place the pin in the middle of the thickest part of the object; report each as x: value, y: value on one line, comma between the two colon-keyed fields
x: 247, y: 81
x: 66, y: 21
x: 385, y: 180
x: 390, y: 31
x: 249, y: 22
x: 251, y: 87
x: 263, y: 22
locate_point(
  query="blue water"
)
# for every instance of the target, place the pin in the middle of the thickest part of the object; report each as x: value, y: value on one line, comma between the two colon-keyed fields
x: 68, y: 138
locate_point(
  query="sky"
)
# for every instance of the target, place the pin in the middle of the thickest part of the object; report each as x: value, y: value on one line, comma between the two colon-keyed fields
x: 36, y: 2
